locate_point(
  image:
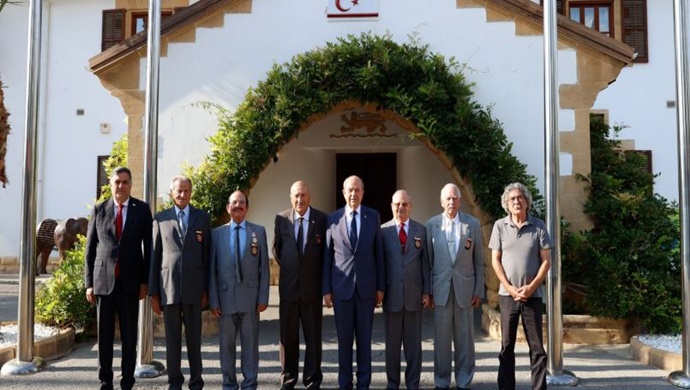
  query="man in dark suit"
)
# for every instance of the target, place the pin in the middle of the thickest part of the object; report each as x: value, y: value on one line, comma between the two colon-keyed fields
x: 178, y: 283
x: 407, y: 290
x: 118, y: 254
x: 353, y: 279
x: 238, y: 290
x: 456, y: 254
x: 298, y: 248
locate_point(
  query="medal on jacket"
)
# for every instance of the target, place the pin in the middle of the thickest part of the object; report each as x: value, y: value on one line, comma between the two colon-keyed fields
x: 255, y: 245
x: 468, y: 243
x: 417, y: 242
x: 199, y: 236
x: 319, y: 239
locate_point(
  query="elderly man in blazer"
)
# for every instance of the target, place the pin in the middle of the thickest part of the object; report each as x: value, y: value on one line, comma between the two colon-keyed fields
x: 300, y: 234
x: 118, y: 254
x: 407, y: 290
x: 178, y: 281
x: 457, y: 273
x: 353, y: 279
x: 238, y: 290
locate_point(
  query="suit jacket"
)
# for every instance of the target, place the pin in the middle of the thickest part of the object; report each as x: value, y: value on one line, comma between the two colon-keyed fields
x: 300, y: 278
x: 224, y: 291
x: 407, y: 275
x: 179, y: 266
x: 346, y: 268
x: 103, y: 248
x: 467, y: 274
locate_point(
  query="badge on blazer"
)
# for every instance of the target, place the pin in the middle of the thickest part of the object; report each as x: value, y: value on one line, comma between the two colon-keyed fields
x: 199, y: 236
x: 468, y: 243
x: 255, y: 245
x: 319, y: 239
x: 417, y: 242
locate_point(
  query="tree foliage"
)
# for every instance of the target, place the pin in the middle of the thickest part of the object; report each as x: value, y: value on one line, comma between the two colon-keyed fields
x: 629, y: 261
x: 409, y: 80
x: 118, y: 158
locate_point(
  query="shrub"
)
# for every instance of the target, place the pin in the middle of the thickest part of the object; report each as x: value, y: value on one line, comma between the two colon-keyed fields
x: 61, y: 300
x: 118, y: 158
x: 630, y: 260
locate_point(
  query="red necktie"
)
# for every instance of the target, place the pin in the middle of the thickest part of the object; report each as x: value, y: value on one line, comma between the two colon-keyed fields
x: 118, y: 233
x: 403, y: 237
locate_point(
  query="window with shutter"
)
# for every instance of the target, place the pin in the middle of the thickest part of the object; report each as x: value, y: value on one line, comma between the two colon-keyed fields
x: 560, y: 6
x: 113, y: 28
x: 101, y: 175
x: 635, y: 27
x: 646, y: 156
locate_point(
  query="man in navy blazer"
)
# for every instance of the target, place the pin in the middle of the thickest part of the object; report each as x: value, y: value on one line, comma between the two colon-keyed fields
x: 178, y: 281
x: 353, y: 280
x: 118, y: 254
x: 238, y: 290
x: 408, y: 289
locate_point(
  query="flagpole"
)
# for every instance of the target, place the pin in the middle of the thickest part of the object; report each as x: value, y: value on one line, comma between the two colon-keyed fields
x: 26, y: 362
x: 146, y: 366
x: 682, y: 378
x: 557, y: 375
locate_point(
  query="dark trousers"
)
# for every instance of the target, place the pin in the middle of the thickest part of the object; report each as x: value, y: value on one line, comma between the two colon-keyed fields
x: 309, y: 314
x: 126, y: 306
x: 354, y: 319
x: 403, y: 328
x: 531, y: 313
x: 174, y: 316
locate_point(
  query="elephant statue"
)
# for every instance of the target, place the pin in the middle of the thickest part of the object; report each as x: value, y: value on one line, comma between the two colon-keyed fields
x: 45, y: 242
x: 66, y: 233
x: 62, y: 233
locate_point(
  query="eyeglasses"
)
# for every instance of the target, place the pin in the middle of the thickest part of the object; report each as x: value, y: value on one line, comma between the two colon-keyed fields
x: 518, y: 198
x: 399, y: 205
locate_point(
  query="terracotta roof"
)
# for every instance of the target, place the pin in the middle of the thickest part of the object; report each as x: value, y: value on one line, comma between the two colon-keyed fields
x: 524, y: 9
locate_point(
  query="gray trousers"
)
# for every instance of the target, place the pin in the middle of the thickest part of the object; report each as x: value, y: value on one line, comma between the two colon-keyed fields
x: 247, y: 325
x: 454, y: 326
x: 403, y: 328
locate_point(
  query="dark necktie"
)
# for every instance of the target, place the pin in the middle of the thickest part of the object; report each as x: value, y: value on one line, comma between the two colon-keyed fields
x: 183, y: 226
x: 403, y: 237
x: 238, y: 258
x: 118, y: 233
x: 353, y: 230
x: 300, y: 238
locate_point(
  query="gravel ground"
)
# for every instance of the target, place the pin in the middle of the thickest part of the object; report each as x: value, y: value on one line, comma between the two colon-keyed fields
x: 8, y: 333
x: 668, y: 343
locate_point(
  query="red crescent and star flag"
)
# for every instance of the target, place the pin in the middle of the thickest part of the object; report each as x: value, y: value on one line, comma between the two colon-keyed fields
x: 338, y: 9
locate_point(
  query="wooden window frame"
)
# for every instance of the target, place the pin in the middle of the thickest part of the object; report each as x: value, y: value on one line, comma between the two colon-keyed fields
x: 597, y: 4
x: 110, y: 36
x: 139, y: 14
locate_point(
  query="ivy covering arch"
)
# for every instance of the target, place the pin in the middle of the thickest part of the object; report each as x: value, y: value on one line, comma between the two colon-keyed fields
x: 408, y: 80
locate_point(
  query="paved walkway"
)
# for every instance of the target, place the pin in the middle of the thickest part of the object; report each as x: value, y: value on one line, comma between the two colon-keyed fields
x: 605, y: 367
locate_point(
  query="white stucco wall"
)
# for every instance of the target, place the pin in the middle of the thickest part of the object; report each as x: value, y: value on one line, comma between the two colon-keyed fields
x: 68, y: 144
x: 638, y: 100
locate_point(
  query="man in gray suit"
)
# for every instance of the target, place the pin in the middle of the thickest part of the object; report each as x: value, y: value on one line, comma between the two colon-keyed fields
x: 300, y: 234
x: 407, y: 290
x: 178, y: 281
x: 457, y: 273
x: 238, y: 290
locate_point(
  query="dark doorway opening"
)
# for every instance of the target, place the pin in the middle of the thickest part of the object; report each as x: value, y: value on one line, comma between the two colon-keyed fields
x: 377, y: 170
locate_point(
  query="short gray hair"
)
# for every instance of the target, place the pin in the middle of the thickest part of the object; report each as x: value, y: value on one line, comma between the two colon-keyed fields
x: 179, y: 178
x: 512, y: 187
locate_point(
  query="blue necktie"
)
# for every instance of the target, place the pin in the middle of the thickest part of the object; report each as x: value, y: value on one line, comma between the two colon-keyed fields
x: 353, y: 230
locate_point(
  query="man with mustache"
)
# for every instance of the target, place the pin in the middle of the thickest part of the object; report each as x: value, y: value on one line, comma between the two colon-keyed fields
x: 238, y: 290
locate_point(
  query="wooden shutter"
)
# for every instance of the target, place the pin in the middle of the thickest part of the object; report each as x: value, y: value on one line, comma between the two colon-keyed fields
x: 560, y: 6
x: 635, y: 27
x: 101, y: 176
x: 647, y: 156
x: 113, y: 28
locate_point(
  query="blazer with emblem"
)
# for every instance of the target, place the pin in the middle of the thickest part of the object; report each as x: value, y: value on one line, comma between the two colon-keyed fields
x: 300, y: 278
x: 467, y: 274
x: 407, y: 274
x: 224, y: 291
x: 103, y: 248
x: 179, y: 265
x: 345, y: 267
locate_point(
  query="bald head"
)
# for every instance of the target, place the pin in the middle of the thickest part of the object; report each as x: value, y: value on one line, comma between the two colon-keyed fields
x: 300, y: 198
